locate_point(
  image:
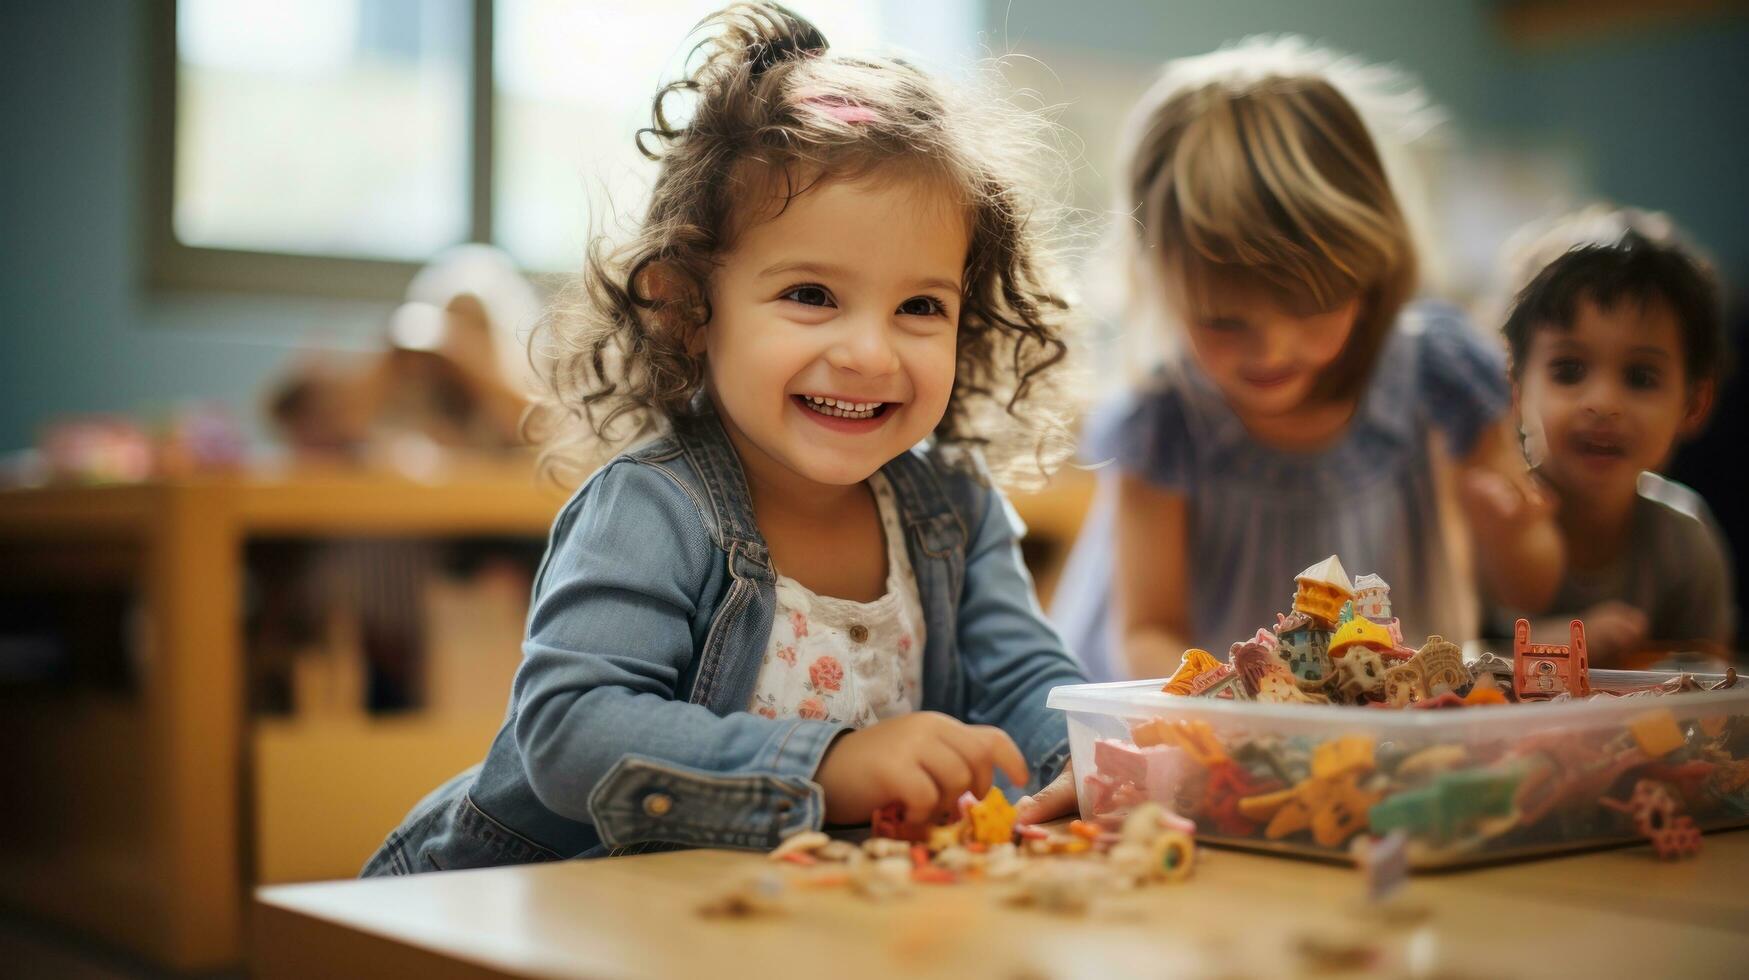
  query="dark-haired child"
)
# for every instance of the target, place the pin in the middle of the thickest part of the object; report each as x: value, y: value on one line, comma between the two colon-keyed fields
x: 1616, y: 348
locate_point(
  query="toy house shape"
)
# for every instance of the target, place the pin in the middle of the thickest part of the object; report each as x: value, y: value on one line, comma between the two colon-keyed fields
x: 1543, y: 670
x: 1372, y: 598
x: 1304, y: 646
x: 1358, y: 632
x: 1322, y: 589
x: 1442, y: 666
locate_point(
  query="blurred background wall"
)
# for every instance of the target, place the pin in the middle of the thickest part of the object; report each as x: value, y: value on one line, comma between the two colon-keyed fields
x: 1643, y: 109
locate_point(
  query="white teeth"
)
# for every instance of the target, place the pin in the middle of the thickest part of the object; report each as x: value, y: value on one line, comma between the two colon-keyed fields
x: 842, y: 409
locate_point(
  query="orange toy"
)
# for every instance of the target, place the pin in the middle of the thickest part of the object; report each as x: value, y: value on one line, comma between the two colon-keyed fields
x: 1543, y: 670
x: 992, y: 819
x: 1194, y: 664
x: 1322, y: 590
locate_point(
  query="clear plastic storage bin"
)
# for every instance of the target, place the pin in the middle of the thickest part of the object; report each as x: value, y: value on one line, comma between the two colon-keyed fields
x: 1465, y: 785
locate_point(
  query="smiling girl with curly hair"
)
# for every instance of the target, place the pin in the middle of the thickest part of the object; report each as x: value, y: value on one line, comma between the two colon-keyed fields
x: 794, y: 595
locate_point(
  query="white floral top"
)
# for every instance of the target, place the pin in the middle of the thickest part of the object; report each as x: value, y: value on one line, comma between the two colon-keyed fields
x: 855, y: 663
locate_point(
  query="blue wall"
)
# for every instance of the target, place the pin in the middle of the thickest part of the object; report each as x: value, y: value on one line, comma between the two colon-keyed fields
x: 78, y: 332
x: 1662, y: 120
x: 1657, y: 119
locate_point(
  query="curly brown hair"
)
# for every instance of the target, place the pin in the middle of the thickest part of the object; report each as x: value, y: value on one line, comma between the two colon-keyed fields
x: 767, y: 103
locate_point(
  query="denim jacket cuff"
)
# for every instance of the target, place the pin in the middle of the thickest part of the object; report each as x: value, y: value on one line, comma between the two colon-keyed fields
x: 1051, y: 764
x: 645, y: 799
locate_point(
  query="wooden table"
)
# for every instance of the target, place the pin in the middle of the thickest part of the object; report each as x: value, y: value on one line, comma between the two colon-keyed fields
x: 1611, y: 913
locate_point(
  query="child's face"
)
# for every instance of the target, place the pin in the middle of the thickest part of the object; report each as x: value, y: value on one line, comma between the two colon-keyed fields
x: 1607, y: 398
x: 851, y: 293
x: 1263, y: 358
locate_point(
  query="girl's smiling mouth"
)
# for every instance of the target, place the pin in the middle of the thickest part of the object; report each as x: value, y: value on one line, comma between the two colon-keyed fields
x: 1599, y: 446
x: 844, y: 414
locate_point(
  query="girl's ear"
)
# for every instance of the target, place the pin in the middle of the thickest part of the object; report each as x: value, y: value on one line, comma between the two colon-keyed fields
x: 1700, y: 406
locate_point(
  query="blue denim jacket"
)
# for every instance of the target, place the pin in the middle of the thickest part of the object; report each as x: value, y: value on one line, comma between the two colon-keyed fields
x: 627, y: 727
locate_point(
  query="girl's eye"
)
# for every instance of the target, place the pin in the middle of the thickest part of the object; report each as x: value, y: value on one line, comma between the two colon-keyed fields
x: 1567, y: 371
x: 809, y: 296
x: 1643, y: 377
x: 922, y: 306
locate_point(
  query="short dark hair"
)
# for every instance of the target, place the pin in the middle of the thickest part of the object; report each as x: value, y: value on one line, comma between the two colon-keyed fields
x: 1633, y: 268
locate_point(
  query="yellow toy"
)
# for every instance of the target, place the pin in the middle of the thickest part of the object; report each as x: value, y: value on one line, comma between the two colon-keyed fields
x: 992, y: 819
x: 1360, y: 632
x: 1341, y: 756
x: 1656, y: 733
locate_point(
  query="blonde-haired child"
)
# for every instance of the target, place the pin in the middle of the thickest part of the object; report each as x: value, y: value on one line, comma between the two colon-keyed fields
x: 781, y: 611
x: 1313, y: 409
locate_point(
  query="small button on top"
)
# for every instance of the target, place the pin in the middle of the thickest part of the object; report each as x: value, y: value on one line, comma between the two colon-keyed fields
x: 858, y: 633
x: 658, y: 804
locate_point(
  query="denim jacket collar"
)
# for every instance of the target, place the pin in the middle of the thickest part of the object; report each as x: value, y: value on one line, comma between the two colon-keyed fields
x: 936, y: 537
x: 923, y: 502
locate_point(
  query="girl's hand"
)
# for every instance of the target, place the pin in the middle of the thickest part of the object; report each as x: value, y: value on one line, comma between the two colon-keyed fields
x: 1055, y: 800
x: 1504, y: 503
x: 923, y: 760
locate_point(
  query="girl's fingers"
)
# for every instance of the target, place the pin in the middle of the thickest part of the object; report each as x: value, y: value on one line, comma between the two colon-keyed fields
x: 1005, y: 754
x: 916, y: 789
x: 947, y: 768
x: 1055, y: 800
x: 971, y: 747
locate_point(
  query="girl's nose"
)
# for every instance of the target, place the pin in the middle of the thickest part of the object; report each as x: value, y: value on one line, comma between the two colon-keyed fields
x: 865, y: 348
x: 1600, y: 397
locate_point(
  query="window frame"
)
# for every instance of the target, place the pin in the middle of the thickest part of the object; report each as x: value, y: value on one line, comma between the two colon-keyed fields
x: 172, y: 264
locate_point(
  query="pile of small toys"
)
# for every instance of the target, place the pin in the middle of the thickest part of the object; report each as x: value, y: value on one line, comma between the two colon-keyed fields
x: 1657, y: 773
x: 1057, y: 870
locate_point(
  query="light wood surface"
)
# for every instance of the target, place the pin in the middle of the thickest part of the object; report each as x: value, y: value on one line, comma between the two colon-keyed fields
x: 1605, y: 914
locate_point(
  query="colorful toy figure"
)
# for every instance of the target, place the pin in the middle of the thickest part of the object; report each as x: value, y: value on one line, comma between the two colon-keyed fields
x: 1192, y: 665
x: 1360, y: 676
x: 1222, y: 683
x: 1266, y: 677
x: 992, y: 819
x: 1405, y: 684
x: 1442, y: 665
x: 1359, y: 632
x: 1543, y: 670
x: 1443, y: 808
x: 1322, y: 589
x: 1252, y: 662
x: 1372, y: 598
x: 1655, y: 814
x: 1303, y: 645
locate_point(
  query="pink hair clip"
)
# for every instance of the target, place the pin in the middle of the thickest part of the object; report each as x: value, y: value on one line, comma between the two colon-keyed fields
x: 841, y: 110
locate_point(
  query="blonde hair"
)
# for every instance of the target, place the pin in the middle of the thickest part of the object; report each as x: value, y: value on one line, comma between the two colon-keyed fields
x: 770, y: 107
x: 1248, y: 169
